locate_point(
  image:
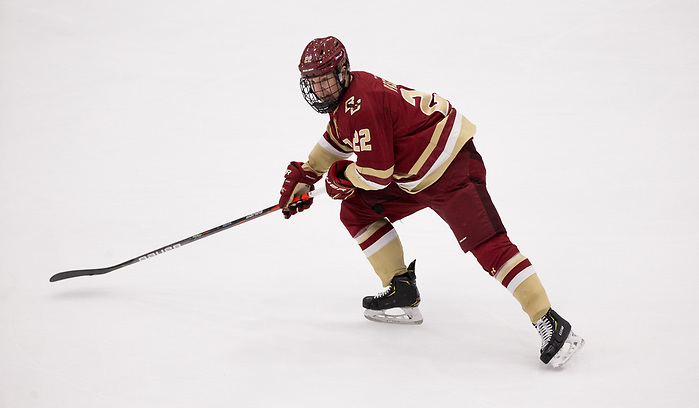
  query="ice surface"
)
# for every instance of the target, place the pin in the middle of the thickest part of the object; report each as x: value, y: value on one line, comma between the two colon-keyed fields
x: 127, y: 125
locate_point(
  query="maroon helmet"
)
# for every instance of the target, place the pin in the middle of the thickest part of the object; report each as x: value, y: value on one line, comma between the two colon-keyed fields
x: 322, y: 56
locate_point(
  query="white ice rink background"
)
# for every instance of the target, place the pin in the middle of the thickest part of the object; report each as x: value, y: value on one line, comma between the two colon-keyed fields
x: 128, y: 125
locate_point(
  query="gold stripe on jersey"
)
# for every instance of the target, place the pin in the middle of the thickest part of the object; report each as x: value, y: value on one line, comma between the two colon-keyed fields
x: 368, y: 171
x: 353, y: 175
x: 434, y: 141
x: 320, y: 159
x: 390, y: 85
x: 459, y: 137
x: 332, y: 133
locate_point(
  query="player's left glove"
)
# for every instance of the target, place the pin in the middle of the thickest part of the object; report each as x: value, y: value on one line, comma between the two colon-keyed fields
x: 336, y: 184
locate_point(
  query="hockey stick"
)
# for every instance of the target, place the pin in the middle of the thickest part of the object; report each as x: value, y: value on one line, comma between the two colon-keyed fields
x: 167, y: 248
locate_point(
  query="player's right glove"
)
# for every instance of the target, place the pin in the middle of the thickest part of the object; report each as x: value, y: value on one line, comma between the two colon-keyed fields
x: 336, y: 184
x: 297, y: 181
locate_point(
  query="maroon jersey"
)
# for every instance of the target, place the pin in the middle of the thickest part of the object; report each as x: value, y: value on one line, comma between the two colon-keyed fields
x: 397, y: 133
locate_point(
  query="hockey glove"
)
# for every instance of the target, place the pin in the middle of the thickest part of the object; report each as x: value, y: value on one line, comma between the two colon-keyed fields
x: 297, y: 181
x: 336, y: 184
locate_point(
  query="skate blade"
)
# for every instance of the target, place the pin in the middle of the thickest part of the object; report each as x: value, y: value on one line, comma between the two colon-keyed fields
x: 572, y: 345
x: 396, y: 315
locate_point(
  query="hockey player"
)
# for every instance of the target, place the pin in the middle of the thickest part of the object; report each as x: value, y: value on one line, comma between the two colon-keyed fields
x: 413, y: 150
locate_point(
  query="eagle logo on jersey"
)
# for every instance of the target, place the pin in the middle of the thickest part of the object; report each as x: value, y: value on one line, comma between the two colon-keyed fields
x: 351, y: 106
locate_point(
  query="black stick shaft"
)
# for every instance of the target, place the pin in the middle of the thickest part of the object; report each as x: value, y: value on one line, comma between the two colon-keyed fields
x: 100, y: 271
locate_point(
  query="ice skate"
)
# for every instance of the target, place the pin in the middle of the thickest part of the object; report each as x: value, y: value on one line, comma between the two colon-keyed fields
x: 397, y: 303
x: 558, y: 342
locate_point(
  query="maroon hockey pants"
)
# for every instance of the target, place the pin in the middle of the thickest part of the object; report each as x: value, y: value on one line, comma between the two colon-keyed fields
x: 459, y: 197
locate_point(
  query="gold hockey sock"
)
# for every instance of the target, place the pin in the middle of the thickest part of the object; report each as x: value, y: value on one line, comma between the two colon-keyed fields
x: 382, y: 247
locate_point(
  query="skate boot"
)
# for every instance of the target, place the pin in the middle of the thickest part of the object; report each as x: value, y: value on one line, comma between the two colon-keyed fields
x: 558, y: 342
x: 397, y: 303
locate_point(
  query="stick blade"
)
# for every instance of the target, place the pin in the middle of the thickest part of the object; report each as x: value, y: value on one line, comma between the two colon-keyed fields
x: 79, y: 272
